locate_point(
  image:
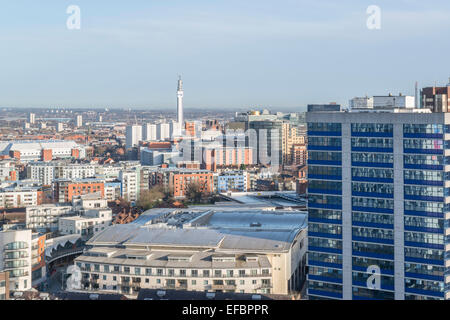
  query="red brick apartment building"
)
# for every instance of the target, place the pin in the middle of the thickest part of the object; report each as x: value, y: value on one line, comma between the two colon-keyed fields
x: 299, y: 154
x: 436, y: 98
x: 65, y: 190
x: 4, y: 286
x: 178, y: 182
x: 190, y: 129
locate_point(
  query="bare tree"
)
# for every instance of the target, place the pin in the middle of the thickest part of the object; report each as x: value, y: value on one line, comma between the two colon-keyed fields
x: 149, y: 198
x: 194, y: 192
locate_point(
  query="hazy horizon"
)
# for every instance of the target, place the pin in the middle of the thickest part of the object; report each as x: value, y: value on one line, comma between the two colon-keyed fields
x: 232, y: 54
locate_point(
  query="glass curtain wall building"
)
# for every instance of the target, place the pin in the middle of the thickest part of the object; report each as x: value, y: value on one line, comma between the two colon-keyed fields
x: 378, y: 197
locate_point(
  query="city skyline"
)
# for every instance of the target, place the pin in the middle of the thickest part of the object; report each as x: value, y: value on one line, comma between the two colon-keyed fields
x: 231, y: 55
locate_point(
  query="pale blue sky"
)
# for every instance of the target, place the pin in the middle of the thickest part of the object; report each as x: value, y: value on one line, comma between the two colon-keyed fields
x: 231, y: 53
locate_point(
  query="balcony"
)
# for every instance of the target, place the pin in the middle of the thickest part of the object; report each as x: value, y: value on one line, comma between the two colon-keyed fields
x: 9, y: 268
x: 14, y: 276
x: 5, y: 249
x: 25, y: 256
x: 264, y: 286
x: 218, y: 287
x: 229, y: 287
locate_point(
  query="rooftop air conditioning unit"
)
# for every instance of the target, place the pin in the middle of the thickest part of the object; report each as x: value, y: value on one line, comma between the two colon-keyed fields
x: 160, y: 293
x: 44, y: 296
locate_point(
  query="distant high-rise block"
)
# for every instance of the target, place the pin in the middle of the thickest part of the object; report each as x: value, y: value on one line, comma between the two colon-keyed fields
x: 133, y: 136
x: 180, y: 93
x: 149, y: 132
x: 32, y: 118
x: 437, y: 99
x: 163, y: 131
x: 79, y: 121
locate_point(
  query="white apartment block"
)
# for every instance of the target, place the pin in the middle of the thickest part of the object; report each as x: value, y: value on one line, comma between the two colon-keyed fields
x: 112, y: 191
x: 149, y: 132
x: 19, y: 197
x: 44, y: 172
x: 175, y: 129
x: 133, y: 136
x: 89, y: 201
x: 163, y: 131
x: 109, y: 172
x: 46, y: 216
x: 92, y: 222
x: 15, y: 257
x: 130, y: 184
x: 8, y: 171
x: 31, y: 118
x: 75, y: 171
x: 79, y: 121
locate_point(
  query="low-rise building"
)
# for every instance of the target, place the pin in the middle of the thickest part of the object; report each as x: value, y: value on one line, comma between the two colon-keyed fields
x: 215, y: 249
x: 113, y: 190
x: 8, y: 171
x: 65, y: 189
x: 45, y: 217
x: 91, y: 223
x: 91, y: 215
x: 236, y: 181
x: 16, y: 196
x: 180, y: 179
x: 42, y: 150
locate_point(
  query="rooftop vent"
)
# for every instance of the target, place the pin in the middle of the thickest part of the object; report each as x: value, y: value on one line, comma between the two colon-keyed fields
x: 251, y: 258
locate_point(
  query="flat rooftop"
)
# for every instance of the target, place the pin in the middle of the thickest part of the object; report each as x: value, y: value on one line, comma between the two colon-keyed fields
x: 214, y: 227
x: 265, y: 198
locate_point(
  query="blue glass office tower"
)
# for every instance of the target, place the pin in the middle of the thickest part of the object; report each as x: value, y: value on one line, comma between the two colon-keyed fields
x: 378, y: 195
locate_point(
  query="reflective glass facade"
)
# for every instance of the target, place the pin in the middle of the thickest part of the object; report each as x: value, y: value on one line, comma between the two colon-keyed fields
x: 378, y: 197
